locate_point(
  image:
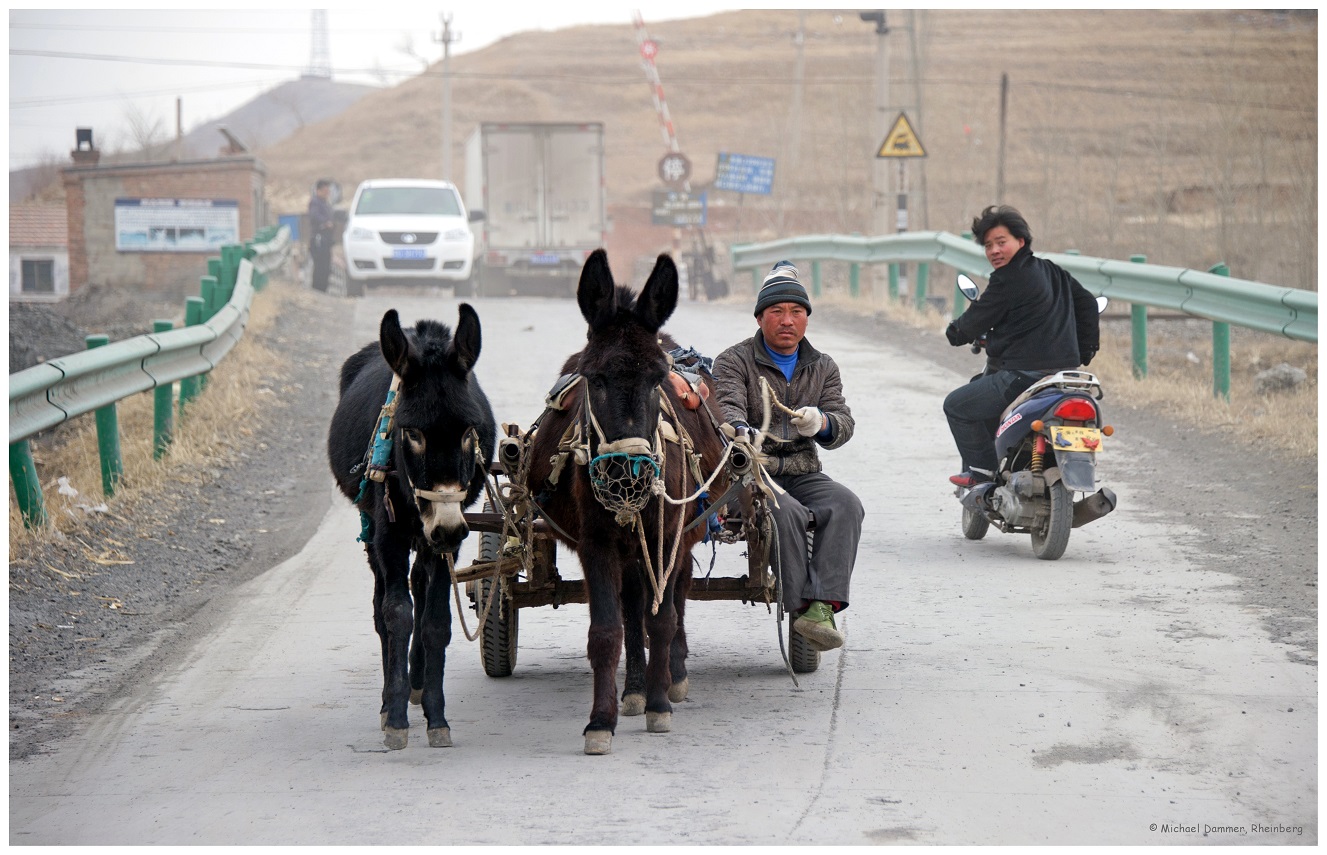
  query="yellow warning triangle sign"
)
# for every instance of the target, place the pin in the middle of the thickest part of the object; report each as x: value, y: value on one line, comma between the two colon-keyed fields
x: 901, y: 141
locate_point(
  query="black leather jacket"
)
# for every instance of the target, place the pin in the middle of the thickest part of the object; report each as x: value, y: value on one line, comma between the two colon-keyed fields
x: 1039, y: 318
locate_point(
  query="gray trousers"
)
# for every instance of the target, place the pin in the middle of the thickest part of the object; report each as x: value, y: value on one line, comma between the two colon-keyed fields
x: 839, y: 514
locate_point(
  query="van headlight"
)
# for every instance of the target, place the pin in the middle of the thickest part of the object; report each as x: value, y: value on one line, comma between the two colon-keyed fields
x: 456, y: 234
x: 360, y: 233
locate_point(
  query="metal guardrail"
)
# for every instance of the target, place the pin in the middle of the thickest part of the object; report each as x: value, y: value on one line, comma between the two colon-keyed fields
x: 94, y: 380
x: 1290, y: 312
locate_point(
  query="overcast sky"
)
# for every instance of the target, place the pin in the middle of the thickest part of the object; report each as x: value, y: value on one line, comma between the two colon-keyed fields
x: 99, y: 68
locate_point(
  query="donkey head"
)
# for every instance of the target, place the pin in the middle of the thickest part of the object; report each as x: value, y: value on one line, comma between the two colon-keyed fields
x: 444, y: 426
x: 622, y: 362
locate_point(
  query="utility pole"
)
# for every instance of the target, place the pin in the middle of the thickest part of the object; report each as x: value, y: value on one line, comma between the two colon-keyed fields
x: 880, y: 175
x: 1004, y: 107
x: 445, y: 39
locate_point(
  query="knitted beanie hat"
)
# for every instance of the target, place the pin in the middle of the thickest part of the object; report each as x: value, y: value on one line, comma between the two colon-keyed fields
x: 781, y: 286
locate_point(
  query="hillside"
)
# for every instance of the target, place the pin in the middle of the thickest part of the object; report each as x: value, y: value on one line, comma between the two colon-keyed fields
x: 1188, y: 136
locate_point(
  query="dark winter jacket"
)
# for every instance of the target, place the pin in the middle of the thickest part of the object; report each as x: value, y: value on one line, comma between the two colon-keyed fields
x: 1039, y: 317
x: 816, y: 382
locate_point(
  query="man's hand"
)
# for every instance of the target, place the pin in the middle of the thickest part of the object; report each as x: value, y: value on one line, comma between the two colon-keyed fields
x: 1085, y: 357
x: 955, y: 335
x: 809, y: 421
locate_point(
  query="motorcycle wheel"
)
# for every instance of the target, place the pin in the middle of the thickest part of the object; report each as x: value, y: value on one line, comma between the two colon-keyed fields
x: 1049, y: 542
x: 974, y: 525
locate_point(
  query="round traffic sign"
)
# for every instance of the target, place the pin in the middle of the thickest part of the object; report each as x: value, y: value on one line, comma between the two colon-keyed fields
x: 674, y: 168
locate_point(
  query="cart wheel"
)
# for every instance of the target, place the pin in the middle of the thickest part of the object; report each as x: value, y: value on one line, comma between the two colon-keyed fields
x: 801, y: 655
x: 497, y: 640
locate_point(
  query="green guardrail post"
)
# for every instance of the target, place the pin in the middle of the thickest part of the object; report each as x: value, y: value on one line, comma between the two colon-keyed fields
x: 231, y: 255
x: 163, y: 405
x: 27, y: 489
x: 108, y: 434
x: 1139, y: 313
x: 207, y: 287
x: 854, y: 280
x: 923, y: 270
x: 815, y: 278
x: 893, y: 283
x: 1220, y: 347
x: 193, y: 315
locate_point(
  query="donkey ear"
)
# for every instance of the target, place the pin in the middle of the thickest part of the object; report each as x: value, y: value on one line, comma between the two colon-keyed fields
x: 466, y: 342
x: 596, y: 293
x: 658, y: 298
x: 395, y: 345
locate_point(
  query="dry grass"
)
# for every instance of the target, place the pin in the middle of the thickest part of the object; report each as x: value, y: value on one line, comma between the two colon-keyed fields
x: 1179, y: 381
x: 214, y: 427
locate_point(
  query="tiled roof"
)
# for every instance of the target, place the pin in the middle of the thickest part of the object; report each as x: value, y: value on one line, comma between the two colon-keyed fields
x: 38, y: 225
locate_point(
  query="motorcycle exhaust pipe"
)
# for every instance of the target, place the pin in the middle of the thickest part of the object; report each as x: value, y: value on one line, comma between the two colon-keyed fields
x: 975, y: 499
x: 1094, y: 507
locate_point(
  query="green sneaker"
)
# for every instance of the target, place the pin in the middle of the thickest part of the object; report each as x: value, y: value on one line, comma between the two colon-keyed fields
x: 816, y: 625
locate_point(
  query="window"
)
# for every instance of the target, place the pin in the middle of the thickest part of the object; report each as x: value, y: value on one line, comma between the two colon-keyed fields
x: 409, y: 200
x: 38, y: 276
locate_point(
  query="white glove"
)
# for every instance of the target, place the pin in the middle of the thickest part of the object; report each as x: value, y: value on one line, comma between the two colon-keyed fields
x: 809, y: 421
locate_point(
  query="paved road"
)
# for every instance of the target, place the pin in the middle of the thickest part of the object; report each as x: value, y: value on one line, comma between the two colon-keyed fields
x: 1119, y: 695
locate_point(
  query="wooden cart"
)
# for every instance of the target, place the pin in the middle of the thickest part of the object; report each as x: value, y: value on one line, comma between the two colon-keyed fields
x: 543, y: 585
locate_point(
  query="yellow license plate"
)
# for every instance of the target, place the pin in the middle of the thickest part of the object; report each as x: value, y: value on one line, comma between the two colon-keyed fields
x: 1075, y: 438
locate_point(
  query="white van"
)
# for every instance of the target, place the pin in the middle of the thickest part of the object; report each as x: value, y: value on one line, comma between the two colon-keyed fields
x: 408, y: 230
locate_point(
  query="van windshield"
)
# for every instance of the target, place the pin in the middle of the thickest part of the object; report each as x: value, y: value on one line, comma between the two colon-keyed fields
x: 409, y: 200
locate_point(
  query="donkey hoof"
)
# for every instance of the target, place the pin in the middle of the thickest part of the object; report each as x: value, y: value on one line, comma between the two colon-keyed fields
x: 633, y: 704
x: 598, y: 741
x: 440, y: 737
x: 677, y: 693
x: 658, y: 722
x: 416, y: 696
x: 395, y: 738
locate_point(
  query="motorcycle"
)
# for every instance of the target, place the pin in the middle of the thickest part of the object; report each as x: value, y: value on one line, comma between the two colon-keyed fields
x: 1047, y: 444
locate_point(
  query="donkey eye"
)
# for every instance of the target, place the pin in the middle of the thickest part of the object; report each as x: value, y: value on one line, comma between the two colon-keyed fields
x: 415, y: 437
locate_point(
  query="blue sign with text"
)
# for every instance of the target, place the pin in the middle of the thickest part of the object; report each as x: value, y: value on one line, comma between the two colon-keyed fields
x: 744, y: 173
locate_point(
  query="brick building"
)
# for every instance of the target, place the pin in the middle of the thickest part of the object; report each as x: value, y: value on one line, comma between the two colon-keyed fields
x: 152, y: 226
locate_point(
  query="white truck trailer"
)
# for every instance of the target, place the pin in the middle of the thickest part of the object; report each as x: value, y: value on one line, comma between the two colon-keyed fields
x: 541, y: 188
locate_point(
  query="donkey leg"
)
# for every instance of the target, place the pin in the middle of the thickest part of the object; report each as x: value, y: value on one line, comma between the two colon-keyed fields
x: 418, y: 591
x: 661, y: 627
x: 677, y: 651
x: 633, y: 628
x: 603, y: 582
x: 435, y: 632
x: 398, y: 620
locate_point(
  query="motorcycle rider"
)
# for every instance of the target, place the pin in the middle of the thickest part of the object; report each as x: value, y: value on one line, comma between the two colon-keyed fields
x: 1038, y: 320
x: 808, y: 382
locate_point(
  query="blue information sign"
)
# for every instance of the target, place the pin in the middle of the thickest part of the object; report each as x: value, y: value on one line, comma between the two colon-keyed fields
x: 744, y: 173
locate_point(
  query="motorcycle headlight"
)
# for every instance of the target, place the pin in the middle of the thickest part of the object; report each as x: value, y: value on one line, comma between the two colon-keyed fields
x: 359, y: 233
x: 456, y: 234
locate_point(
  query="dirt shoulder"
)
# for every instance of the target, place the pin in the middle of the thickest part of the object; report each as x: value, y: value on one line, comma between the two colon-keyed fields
x: 80, y: 630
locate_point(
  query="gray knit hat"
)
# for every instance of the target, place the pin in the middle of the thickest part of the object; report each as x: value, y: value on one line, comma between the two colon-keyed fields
x: 781, y: 286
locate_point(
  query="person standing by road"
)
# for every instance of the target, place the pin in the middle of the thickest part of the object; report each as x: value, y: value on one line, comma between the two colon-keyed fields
x: 1038, y: 320
x: 808, y: 382
x: 320, y: 233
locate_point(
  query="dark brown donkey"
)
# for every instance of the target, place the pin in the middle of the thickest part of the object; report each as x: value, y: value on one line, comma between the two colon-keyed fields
x: 603, y: 503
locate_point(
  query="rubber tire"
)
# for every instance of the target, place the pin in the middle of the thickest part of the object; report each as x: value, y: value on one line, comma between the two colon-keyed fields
x: 801, y: 655
x: 974, y: 525
x: 498, y: 634
x: 1050, y: 543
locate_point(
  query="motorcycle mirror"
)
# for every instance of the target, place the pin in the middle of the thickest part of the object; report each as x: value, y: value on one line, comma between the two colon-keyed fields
x: 967, y: 286
x: 1101, y: 304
